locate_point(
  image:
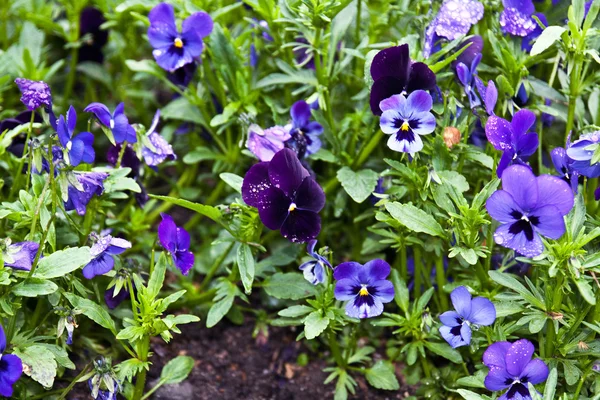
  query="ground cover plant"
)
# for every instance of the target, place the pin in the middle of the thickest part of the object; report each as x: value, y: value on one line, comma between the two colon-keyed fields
x: 408, y: 188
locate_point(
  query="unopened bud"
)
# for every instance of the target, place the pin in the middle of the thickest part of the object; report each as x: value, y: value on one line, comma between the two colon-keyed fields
x: 451, y: 136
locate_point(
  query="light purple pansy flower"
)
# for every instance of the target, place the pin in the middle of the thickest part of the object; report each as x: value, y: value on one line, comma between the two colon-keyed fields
x: 176, y: 241
x: 364, y: 287
x: 11, y: 368
x: 304, y: 131
x: 516, y: 18
x: 265, y: 143
x: 527, y: 207
x: 286, y: 196
x: 77, y: 148
x: 92, y: 184
x: 20, y: 255
x: 162, y: 149
x: 34, y: 93
x: 103, y: 250
x: 512, y: 367
x: 406, y: 119
x: 512, y: 138
x: 466, y: 75
x: 488, y: 94
x: 528, y: 40
x: 174, y: 49
x: 582, y: 151
x: 469, y: 312
x: 564, y: 166
x: 314, y: 270
x: 117, y: 122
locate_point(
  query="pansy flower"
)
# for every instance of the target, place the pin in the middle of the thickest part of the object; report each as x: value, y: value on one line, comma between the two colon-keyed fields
x: 466, y: 76
x: 302, y: 129
x: 174, y: 49
x: 314, y: 270
x: 11, y: 368
x: 176, y: 241
x: 489, y: 94
x: 113, y: 300
x: 161, y: 150
x: 406, y: 119
x: 117, y: 122
x: 475, y: 47
x: 77, y: 148
x: 364, y: 287
x: 92, y: 184
x: 512, y: 138
x: 516, y: 18
x: 527, y: 207
x: 20, y: 255
x: 564, y: 166
x: 103, y: 250
x: 529, y: 39
x: 469, y: 313
x: 286, y: 196
x: 90, y: 23
x: 34, y: 93
x: 582, y: 151
x: 512, y: 367
x: 454, y: 19
x: 393, y: 72
x: 265, y: 143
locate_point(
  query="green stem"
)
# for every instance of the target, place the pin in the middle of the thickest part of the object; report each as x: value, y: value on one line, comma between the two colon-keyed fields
x: 214, y: 268
x: 26, y: 148
x: 418, y: 272
x: 37, y: 210
x: 367, y: 149
x: 335, y: 350
x: 74, y: 57
x: 556, y: 304
x: 66, y: 391
x: 573, y: 93
x: 403, y: 263
x: 143, y: 346
x: 41, y: 248
x: 440, y: 276
x: 121, y: 153
x: 481, y: 274
x: 580, y: 384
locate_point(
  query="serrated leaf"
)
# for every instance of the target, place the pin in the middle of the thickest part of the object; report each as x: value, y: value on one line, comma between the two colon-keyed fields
x: 62, y: 262
x: 359, y: 185
x: 39, y: 362
x: 415, y: 219
x: 93, y: 311
x: 382, y: 376
x: 314, y: 324
x: 33, y: 287
x: 157, y: 278
x: 177, y: 370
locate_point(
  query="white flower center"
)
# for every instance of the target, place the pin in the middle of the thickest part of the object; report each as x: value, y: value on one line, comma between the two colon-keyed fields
x: 112, y: 123
x: 292, y: 207
x: 69, y: 145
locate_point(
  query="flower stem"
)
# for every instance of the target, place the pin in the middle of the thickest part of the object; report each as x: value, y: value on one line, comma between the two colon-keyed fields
x: 26, y: 148
x: 214, y: 268
x: 418, y: 272
x: 574, y: 83
x: 440, y: 276
x: 335, y: 350
x: 368, y: 148
x: 143, y: 346
x: 66, y: 391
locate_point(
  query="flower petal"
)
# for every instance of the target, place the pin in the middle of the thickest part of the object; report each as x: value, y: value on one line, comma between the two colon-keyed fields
x: 200, y: 22
x: 551, y: 222
x: 300, y: 113
x: 301, y: 226
x: 388, y: 120
x: 310, y: 196
x: 382, y: 89
x: 518, y: 242
x: 450, y: 318
x: 456, y: 336
x: 63, y: 133
x: 420, y: 77
x: 483, y: 311
x: 101, y: 111
x: 521, y: 183
x: 167, y: 233
x: 496, y: 379
x: 536, y: 371
x: 405, y: 146
x: 273, y: 208
x: 98, y: 266
x: 419, y: 101
x: 256, y: 181
x: 461, y: 300
x: 426, y: 123
x: 556, y: 192
x: 76, y: 152
x: 498, y: 132
x: 377, y: 269
x: 345, y: 289
x: 464, y: 74
x: 396, y: 102
x: 518, y: 356
x: 364, y: 307
x: 495, y: 354
x: 347, y: 270
x: 184, y: 261
x: 286, y: 172
x: 11, y: 367
x: 2, y: 340
x: 500, y: 205
x: 384, y: 290
x: 522, y: 121
x: 393, y: 61
x: 163, y: 13
x: 527, y: 144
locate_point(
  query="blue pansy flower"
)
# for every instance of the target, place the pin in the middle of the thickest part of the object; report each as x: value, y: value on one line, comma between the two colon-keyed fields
x: 20, y: 255
x: 582, y: 152
x: 117, y: 122
x: 176, y: 241
x: 564, y: 166
x: 314, y: 270
x: 265, y: 143
x: 161, y: 150
x: 92, y: 184
x: 103, y: 250
x: 302, y: 129
x: 516, y: 18
x: 11, y: 368
x: 77, y: 148
x: 465, y: 76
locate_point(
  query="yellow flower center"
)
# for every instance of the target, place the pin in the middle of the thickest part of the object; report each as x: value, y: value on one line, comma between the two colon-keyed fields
x: 405, y: 126
x: 292, y: 207
x: 178, y: 43
x: 363, y: 291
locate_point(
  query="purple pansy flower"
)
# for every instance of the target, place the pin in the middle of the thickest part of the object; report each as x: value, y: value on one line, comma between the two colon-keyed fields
x: 77, y: 148
x: 103, y: 250
x: 457, y: 324
x: 582, y: 151
x: 516, y: 19
x: 527, y: 207
x: 90, y: 22
x: 511, y: 367
x: 112, y: 300
x: 174, y: 49
x: 11, y: 368
x: 528, y: 40
x: 314, y: 270
x: 512, y: 138
x: 117, y: 122
x: 393, y: 72
x: 92, y: 183
x: 465, y: 76
x: 162, y: 149
x: 176, y: 241
x: 475, y: 48
x: 265, y: 143
x: 564, y: 166
x: 99, y: 394
x: 406, y: 119
x: 364, y: 287
x: 286, y: 196
x: 455, y: 18
x: 20, y: 255
x: 34, y: 93
x: 302, y: 129
x: 70, y: 325
x: 488, y: 94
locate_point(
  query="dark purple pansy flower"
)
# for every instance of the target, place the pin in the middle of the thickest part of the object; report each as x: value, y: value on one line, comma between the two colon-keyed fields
x: 465, y: 76
x: 393, y: 72
x: 162, y: 149
x: 469, y: 312
x: 176, y: 241
x: 174, y: 49
x: 112, y: 300
x: 511, y: 367
x: 527, y: 207
x: 406, y: 119
x: 302, y: 126
x: 314, y: 270
x: 34, y: 93
x: 582, y: 151
x: 93, y: 184
x: 364, y: 287
x: 17, y: 145
x: 528, y: 40
x: 129, y: 159
x: 11, y: 368
x: 77, y: 148
x: 90, y: 21
x: 488, y: 94
x: 184, y: 75
x: 516, y: 19
x: 20, y: 255
x: 117, y: 122
x: 103, y: 250
x: 265, y: 143
x: 475, y: 48
x: 477, y: 136
x: 286, y: 196
x: 564, y: 166
x: 512, y: 138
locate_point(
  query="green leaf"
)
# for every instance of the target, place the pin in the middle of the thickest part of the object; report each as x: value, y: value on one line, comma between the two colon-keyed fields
x: 382, y: 376
x: 182, y: 110
x: 199, y: 154
x: 40, y: 364
x: 468, y: 395
x: 401, y: 294
x: 444, y: 350
x: 130, y: 368
x: 586, y: 290
x: 290, y: 285
x: 176, y: 370
x: 415, y: 219
x: 146, y: 66
x: 508, y: 281
x: 550, y: 35
x: 245, y: 261
x: 223, y: 300
x: 33, y: 287
x: 359, y: 185
x: 295, y: 311
x: 314, y: 324
x: 208, y: 211
x: 233, y: 180
x: 60, y: 355
x: 62, y: 262
x: 550, y: 387
x: 157, y: 278
x: 93, y: 311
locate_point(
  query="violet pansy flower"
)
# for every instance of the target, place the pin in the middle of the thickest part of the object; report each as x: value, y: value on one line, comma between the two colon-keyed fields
x: 466, y: 76
x: 286, y: 196
x: 393, y: 72
x: 455, y: 18
x: 174, y: 49
x: 77, y: 148
x: 162, y: 149
x: 314, y: 270
x: 265, y: 143
x: 364, y: 287
x: 92, y: 184
x: 117, y: 122
x: 103, y: 250
x: 11, y: 368
x: 176, y: 241
x: 489, y: 94
x: 34, y: 93
x: 469, y: 313
x: 512, y: 138
x: 564, y: 166
x: 304, y: 131
x: 20, y: 255
x: 582, y: 151
x: 527, y: 207
x: 512, y: 367
x: 528, y: 40
x: 406, y: 119
x: 516, y: 19
x: 113, y: 300
x: 475, y: 47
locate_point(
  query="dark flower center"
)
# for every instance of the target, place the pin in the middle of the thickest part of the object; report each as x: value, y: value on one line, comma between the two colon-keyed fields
x: 364, y: 295
x: 524, y: 224
x: 405, y: 129
x: 518, y: 388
